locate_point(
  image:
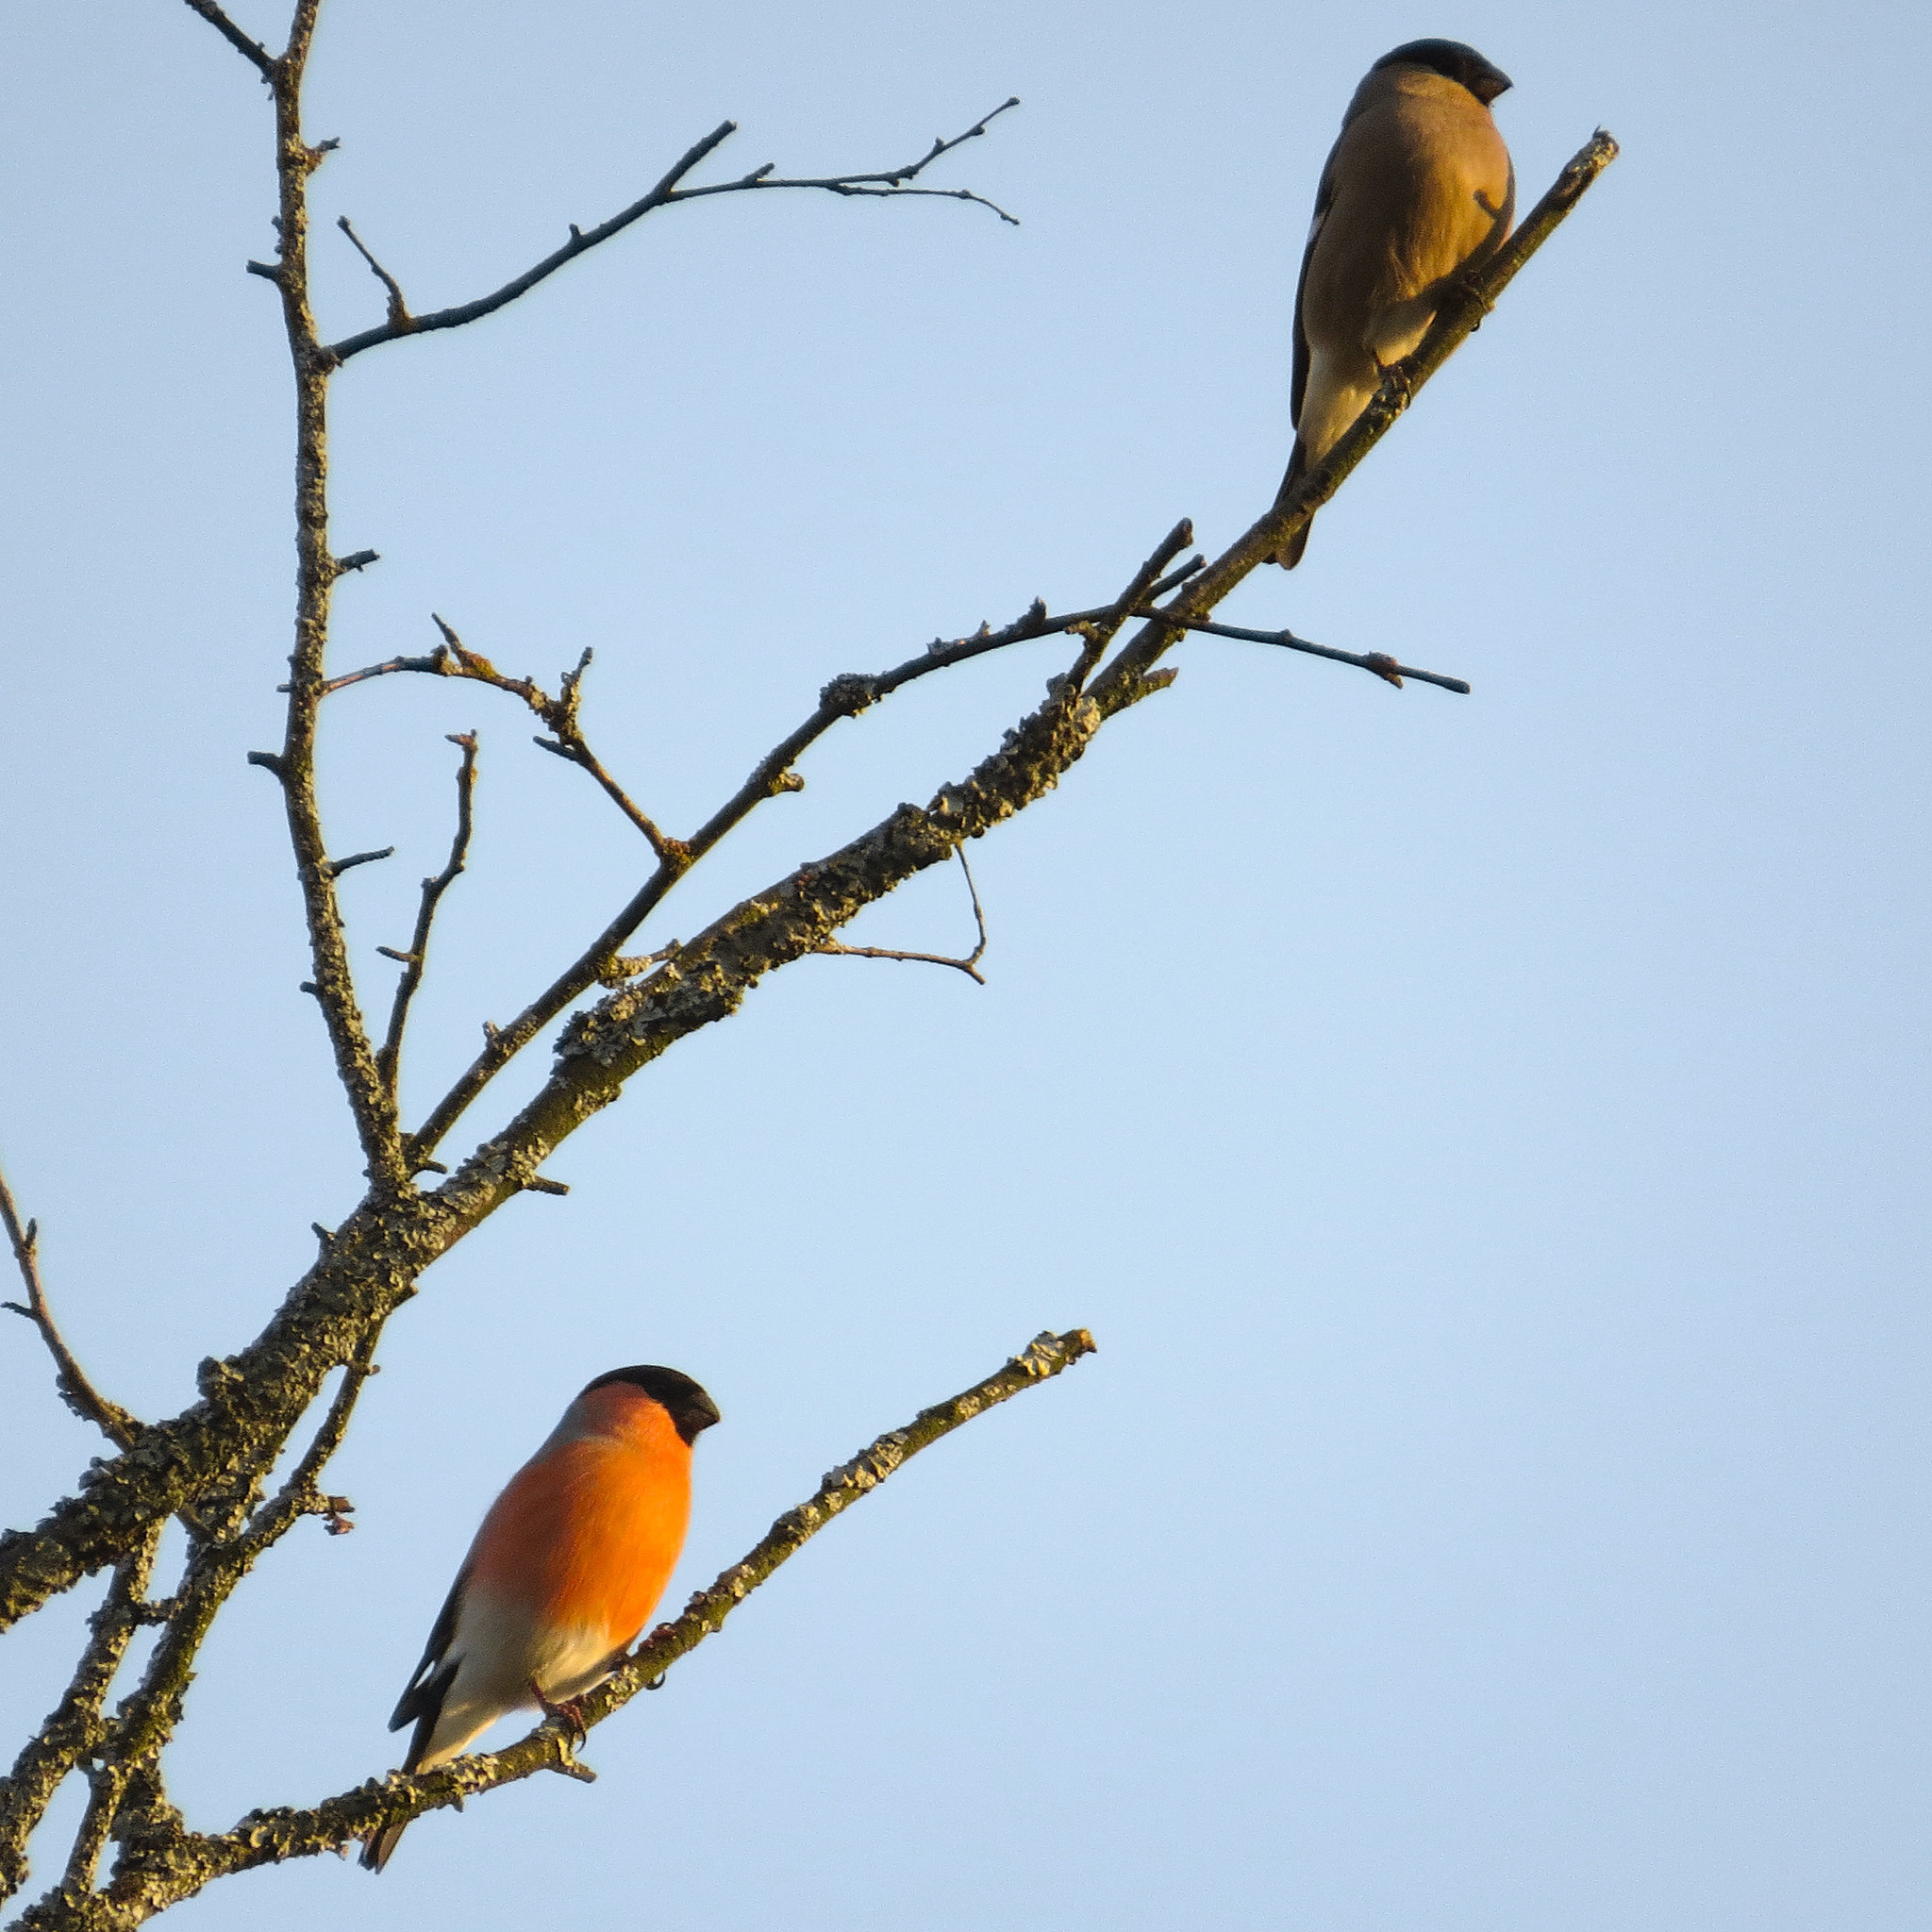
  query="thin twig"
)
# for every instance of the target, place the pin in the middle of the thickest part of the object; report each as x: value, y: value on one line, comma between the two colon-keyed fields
x: 855, y: 690
x: 969, y: 965
x: 848, y: 188
x: 434, y: 661
x: 1382, y: 665
x: 399, y: 317
x: 301, y: 1496
x: 886, y: 183
x: 389, y: 1054
x: 77, y: 1391
x: 250, y: 50
x: 337, y: 867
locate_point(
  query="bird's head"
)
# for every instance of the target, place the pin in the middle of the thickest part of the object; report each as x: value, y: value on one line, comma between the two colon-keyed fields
x: 1454, y: 61
x: 689, y: 1408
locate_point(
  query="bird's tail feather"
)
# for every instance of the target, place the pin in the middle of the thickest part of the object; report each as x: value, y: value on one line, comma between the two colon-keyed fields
x: 378, y: 1847
x: 1291, y: 552
x: 423, y: 1702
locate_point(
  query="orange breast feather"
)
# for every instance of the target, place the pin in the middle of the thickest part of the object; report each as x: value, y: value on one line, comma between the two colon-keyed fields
x: 588, y: 1534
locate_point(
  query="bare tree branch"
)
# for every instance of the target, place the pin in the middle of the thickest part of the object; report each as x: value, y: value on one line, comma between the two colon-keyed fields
x: 855, y: 690
x: 436, y: 662
x: 1125, y: 679
x: 129, y: 1747
x: 74, y: 1729
x: 252, y: 1400
x: 70, y: 1378
x: 844, y: 698
x: 969, y: 965
x: 371, y: 1102
x: 253, y: 51
x: 559, y: 713
x: 174, y: 1864
x: 399, y: 317
x: 887, y: 183
x: 337, y: 867
x: 212, y: 1464
x: 1379, y: 662
x: 388, y: 1056
x: 301, y: 1494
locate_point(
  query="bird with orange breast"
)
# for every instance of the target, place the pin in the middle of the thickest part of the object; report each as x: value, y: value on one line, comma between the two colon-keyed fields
x: 568, y: 1566
x: 1418, y: 189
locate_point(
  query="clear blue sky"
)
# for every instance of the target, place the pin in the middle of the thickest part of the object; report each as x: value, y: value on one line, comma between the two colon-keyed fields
x: 1487, y: 1136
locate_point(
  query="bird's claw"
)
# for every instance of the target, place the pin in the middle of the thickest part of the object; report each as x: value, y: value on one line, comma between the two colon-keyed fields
x: 1396, y: 377
x: 651, y: 1636
x: 567, y: 1716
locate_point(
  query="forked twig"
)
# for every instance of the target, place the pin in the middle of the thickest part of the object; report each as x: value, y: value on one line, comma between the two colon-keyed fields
x: 453, y: 658
x: 888, y: 182
x: 561, y: 714
x: 969, y: 965
x: 885, y: 184
x: 844, y: 698
x: 301, y: 1494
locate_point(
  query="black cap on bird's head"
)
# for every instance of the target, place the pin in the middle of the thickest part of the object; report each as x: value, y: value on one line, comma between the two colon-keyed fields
x: 689, y: 1408
x: 1454, y: 61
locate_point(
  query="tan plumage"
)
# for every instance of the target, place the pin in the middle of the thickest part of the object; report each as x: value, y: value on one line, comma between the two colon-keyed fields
x: 1418, y: 188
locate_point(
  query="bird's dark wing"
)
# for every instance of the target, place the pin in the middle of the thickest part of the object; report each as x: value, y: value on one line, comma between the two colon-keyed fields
x: 1324, y: 200
x: 421, y: 1703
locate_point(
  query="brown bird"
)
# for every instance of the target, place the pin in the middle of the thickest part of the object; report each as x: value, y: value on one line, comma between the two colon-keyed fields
x: 1418, y: 189
x: 568, y: 1565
